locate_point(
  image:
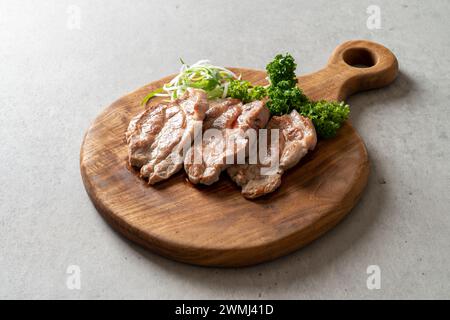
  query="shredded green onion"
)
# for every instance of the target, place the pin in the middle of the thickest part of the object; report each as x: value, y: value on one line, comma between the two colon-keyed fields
x: 151, y: 95
x: 213, y: 79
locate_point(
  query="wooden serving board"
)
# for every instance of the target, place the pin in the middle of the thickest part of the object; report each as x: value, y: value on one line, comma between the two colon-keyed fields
x: 215, y: 225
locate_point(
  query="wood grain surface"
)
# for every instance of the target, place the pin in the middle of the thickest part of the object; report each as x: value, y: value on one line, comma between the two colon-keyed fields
x: 215, y: 225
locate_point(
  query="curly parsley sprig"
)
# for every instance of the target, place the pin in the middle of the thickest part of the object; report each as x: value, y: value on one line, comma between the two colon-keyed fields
x: 285, y: 96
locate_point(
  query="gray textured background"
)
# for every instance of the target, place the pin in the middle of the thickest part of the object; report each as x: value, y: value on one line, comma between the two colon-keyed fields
x: 54, y: 81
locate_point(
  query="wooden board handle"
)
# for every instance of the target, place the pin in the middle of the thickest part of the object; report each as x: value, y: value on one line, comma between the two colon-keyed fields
x: 354, y: 66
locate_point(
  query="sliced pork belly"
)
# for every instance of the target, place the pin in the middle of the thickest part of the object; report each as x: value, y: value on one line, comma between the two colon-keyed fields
x: 230, y: 121
x: 159, y: 137
x: 296, y: 137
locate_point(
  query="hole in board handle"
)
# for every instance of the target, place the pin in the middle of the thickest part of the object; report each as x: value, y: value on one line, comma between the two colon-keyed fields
x: 359, y: 58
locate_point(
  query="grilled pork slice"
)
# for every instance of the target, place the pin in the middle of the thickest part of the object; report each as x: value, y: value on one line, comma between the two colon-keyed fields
x: 225, y: 136
x: 159, y: 137
x: 296, y: 137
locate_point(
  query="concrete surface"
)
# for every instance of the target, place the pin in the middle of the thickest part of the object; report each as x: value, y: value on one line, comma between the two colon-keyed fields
x: 55, y: 78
